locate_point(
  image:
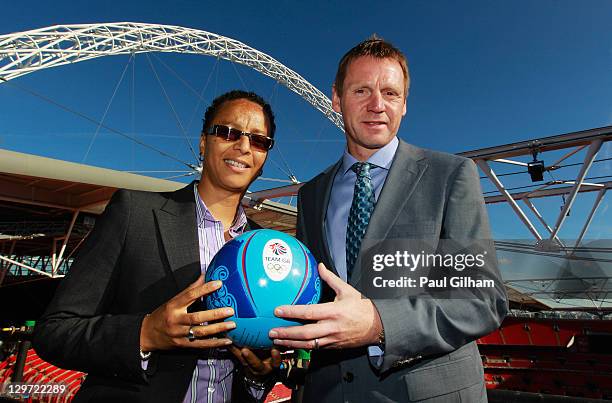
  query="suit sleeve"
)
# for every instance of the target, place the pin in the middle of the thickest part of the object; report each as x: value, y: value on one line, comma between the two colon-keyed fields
x: 77, y: 331
x: 416, y: 327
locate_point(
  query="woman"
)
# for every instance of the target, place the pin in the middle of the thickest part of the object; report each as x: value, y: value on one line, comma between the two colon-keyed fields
x: 130, y: 311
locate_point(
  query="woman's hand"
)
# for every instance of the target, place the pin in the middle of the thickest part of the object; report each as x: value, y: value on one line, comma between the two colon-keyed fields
x: 168, y: 326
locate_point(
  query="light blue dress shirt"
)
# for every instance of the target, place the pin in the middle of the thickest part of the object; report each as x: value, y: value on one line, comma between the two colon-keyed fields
x: 336, y: 219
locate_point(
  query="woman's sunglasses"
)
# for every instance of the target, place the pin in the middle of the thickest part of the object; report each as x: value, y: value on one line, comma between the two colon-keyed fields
x: 259, y: 141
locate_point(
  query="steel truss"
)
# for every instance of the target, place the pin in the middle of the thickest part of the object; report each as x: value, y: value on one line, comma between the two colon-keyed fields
x: 589, y: 140
x: 26, y: 52
x: 54, y: 265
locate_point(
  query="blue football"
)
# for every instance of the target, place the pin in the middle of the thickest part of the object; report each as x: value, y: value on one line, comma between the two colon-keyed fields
x: 261, y: 270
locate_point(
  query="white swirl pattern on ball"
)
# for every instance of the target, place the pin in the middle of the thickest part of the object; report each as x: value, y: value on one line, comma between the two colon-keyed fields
x: 221, y: 298
x: 317, y: 294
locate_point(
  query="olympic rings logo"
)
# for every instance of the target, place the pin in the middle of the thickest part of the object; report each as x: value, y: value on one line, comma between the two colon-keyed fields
x: 275, y: 266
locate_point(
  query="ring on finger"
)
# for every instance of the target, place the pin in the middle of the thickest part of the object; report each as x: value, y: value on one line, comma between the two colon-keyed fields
x: 316, y: 344
x: 190, y: 335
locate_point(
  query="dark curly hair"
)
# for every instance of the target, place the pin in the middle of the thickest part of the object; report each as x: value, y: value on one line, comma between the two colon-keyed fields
x: 232, y: 96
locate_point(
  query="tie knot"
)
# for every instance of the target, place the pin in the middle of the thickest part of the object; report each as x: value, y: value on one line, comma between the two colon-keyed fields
x: 362, y: 168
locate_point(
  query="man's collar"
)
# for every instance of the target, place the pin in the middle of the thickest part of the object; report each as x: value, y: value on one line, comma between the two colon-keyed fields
x: 381, y: 158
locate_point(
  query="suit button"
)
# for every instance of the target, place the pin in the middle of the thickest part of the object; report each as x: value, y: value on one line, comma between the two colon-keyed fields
x: 348, y: 377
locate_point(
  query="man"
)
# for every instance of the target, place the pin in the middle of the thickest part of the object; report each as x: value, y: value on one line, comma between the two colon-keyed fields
x: 130, y: 311
x: 402, y: 346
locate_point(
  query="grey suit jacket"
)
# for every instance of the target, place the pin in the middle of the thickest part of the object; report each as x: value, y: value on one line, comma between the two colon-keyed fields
x: 142, y: 252
x: 430, y: 353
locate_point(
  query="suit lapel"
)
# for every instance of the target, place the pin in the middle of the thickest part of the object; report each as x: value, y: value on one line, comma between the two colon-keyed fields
x: 324, y: 187
x: 404, y: 175
x: 177, y: 226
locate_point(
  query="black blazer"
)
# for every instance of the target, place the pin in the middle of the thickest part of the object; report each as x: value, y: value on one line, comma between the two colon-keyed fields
x: 142, y: 252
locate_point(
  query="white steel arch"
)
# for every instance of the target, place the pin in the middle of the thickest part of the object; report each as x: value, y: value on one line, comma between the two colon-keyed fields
x: 25, y: 52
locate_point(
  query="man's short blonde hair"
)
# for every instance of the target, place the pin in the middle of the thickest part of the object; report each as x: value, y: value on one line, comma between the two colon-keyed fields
x: 374, y: 47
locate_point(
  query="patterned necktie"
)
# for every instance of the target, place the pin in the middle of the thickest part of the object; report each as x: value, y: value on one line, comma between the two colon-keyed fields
x: 359, y: 215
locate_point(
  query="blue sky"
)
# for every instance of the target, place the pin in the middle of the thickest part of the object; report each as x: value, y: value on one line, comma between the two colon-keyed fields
x: 483, y: 73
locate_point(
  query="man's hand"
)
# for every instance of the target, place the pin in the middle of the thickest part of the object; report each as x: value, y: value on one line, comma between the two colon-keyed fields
x: 257, y: 365
x: 349, y: 321
x: 167, y: 327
